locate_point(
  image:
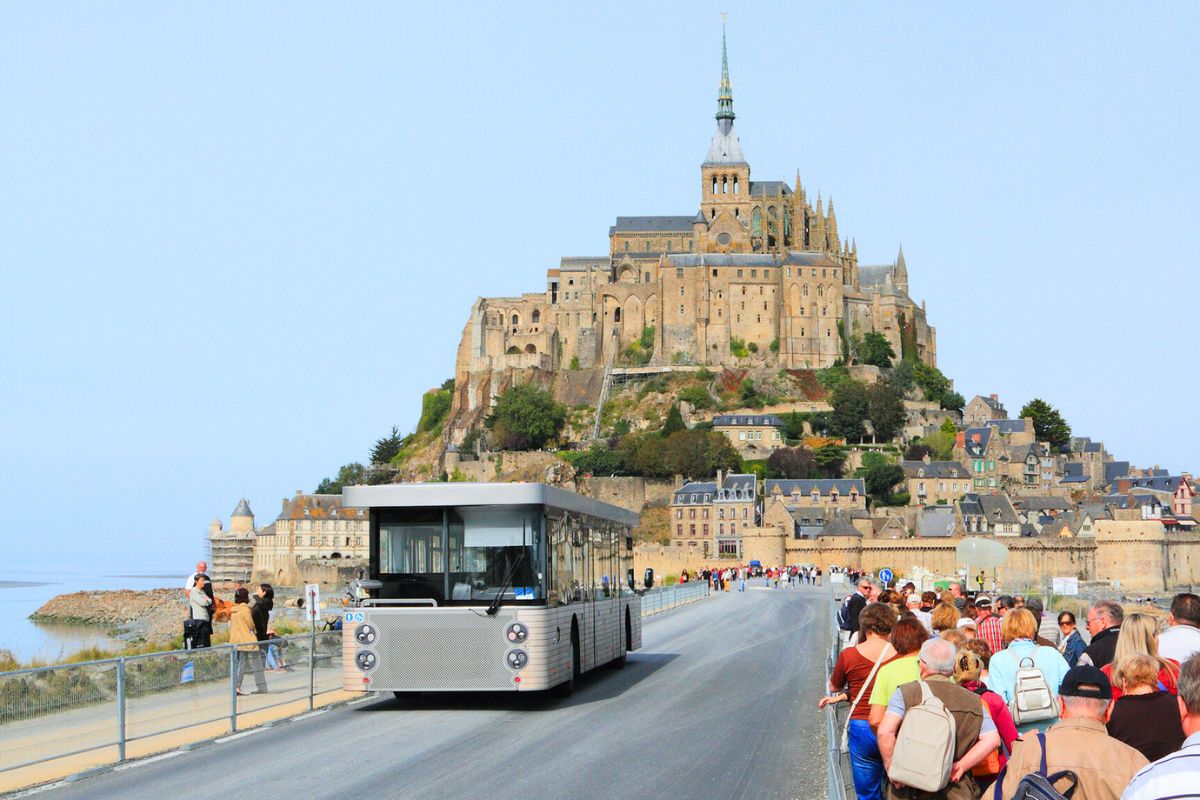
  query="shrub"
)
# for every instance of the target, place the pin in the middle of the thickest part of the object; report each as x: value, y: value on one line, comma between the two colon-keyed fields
x: 737, y: 347
x: 696, y: 397
x: 435, y: 404
x: 774, y: 346
x: 752, y: 347
x: 526, y: 418
x: 574, y: 363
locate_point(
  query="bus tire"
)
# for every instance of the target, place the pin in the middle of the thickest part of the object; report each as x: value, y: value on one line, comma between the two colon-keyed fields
x: 567, y: 687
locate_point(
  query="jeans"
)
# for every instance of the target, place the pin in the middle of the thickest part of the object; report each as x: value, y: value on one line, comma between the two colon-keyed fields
x: 251, y: 660
x: 865, y: 761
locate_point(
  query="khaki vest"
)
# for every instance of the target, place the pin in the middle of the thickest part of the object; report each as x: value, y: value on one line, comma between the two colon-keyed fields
x: 967, y: 709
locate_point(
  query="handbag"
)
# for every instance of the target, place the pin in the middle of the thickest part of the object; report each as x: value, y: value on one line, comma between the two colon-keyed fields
x: 845, y: 741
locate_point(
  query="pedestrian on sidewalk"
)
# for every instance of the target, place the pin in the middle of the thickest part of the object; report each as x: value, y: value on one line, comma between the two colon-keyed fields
x: 198, y: 627
x: 242, y: 635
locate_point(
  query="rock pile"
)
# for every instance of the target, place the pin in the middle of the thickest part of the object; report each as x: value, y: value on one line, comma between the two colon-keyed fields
x: 153, y: 616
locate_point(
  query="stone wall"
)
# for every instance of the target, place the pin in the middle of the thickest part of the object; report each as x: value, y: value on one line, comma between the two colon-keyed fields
x: 334, y: 574
x: 666, y: 560
x: 627, y: 492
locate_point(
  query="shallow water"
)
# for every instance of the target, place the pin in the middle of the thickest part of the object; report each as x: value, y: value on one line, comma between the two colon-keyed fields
x: 22, y: 593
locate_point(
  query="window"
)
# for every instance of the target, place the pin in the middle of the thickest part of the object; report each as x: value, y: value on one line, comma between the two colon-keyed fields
x: 681, y: 311
x: 537, y: 317
x: 753, y: 273
x: 714, y: 273
x: 739, y: 273
x: 679, y: 530
x: 681, y: 291
x: 679, y: 513
x: 766, y: 273
x: 691, y: 513
x: 679, y: 272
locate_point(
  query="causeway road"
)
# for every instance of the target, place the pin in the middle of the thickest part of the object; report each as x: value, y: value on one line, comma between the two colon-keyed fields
x: 720, y: 702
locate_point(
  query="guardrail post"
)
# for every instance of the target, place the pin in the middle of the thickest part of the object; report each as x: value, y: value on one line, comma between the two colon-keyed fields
x: 232, y: 689
x: 312, y: 665
x: 121, y: 710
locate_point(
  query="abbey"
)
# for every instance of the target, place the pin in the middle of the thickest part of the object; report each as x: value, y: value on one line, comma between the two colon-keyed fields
x: 757, y: 276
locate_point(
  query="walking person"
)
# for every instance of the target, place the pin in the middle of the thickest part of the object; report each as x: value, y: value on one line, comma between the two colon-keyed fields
x: 243, y: 636
x: 260, y: 610
x: 1021, y: 653
x: 1070, y: 643
x: 198, y: 627
x: 1178, y: 774
x: 1181, y: 640
x: 1144, y: 716
x: 1104, y: 620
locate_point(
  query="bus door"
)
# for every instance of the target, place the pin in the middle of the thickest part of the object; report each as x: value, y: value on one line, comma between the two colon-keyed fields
x: 606, y: 593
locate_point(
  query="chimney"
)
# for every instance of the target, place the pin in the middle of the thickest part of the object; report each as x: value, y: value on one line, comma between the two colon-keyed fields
x: 996, y: 397
x: 960, y: 439
x: 720, y: 475
x: 678, y: 481
x: 299, y: 492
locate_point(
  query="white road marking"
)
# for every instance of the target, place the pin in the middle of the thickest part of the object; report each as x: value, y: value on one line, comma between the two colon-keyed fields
x: 143, y: 762
x: 240, y: 735
x: 309, y: 714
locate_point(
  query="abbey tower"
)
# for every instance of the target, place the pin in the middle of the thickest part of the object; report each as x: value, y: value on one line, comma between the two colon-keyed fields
x: 757, y: 275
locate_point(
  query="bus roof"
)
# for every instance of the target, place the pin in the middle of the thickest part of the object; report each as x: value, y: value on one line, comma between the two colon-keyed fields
x: 416, y: 495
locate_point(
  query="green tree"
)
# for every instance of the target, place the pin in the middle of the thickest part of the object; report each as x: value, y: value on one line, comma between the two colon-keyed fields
x: 598, y: 460
x: 348, y: 475
x: 435, y: 404
x: 387, y: 448
x: 850, y: 408
x: 881, y: 479
x: 829, y: 377
x: 917, y: 451
x: 674, y: 421
x: 525, y: 418
x: 941, y: 442
x: 697, y: 397
x: 699, y: 454
x: 885, y: 409
x: 1048, y: 422
x: 876, y: 350
x: 901, y: 376
x: 830, y: 460
x: 793, y: 463
x: 749, y: 394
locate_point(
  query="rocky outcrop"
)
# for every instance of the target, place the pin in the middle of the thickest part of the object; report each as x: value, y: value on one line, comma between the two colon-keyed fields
x: 151, y: 616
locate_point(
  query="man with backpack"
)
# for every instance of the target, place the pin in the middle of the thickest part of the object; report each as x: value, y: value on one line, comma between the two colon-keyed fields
x: 1099, y: 766
x: 934, y: 732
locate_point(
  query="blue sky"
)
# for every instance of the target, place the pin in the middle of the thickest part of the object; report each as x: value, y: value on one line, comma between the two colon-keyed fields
x: 237, y: 243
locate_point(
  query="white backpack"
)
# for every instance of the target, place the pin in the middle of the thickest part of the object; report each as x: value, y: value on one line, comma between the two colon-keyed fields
x: 1032, y: 700
x: 924, y: 753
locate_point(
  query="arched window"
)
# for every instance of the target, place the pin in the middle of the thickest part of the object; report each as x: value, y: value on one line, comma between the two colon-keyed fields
x: 714, y: 186
x: 735, y: 184
x: 516, y: 320
x: 530, y: 348
x: 820, y: 291
x: 537, y: 317
x: 756, y: 222
x: 617, y: 315
x: 714, y: 213
x: 806, y: 290
x: 724, y: 185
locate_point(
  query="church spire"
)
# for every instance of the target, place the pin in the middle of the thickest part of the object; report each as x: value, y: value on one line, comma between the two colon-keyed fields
x: 901, y: 272
x: 725, y: 95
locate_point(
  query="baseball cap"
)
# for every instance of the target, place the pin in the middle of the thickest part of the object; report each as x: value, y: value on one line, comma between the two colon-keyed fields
x: 983, y: 601
x: 1086, y: 681
x: 913, y: 600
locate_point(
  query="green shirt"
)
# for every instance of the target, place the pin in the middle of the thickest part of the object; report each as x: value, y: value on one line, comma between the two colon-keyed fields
x: 891, y: 675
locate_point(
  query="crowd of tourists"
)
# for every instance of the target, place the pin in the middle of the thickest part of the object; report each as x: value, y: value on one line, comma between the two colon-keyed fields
x: 958, y: 697
x: 724, y: 579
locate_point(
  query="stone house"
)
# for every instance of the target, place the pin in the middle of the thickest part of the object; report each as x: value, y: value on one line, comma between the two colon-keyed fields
x: 711, y: 516
x: 981, y: 409
x: 988, y: 514
x: 848, y: 493
x: 754, y: 436
x: 311, y: 526
x: 935, y: 482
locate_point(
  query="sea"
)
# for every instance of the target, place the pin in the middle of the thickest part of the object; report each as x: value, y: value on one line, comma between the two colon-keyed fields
x: 22, y: 592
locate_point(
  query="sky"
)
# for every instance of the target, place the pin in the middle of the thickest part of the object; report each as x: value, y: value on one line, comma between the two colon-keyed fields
x: 238, y: 242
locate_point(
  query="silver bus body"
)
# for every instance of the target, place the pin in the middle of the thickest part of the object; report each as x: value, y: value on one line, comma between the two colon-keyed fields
x: 448, y: 642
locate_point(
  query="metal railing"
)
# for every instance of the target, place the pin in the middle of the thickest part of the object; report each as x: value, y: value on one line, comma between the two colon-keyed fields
x: 836, y: 763
x: 655, y: 601
x: 50, y: 713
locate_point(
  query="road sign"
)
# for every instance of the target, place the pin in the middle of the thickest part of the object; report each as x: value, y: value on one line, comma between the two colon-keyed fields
x: 312, y: 602
x: 886, y: 575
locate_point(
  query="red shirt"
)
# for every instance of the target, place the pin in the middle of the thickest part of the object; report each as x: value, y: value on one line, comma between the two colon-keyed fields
x: 1165, y: 677
x: 988, y: 627
x: 851, y: 669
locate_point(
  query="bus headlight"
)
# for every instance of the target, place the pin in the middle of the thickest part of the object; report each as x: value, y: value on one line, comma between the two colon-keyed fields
x: 517, y: 659
x: 517, y: 633
x: 365, y: 660
x: 365, y: 633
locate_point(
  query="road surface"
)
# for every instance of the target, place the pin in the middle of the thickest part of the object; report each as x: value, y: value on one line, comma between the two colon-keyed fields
x: 720, y: 702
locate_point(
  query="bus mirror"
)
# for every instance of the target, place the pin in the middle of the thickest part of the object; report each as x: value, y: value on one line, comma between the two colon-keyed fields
x: 629, y: 577
x: 648, y: 577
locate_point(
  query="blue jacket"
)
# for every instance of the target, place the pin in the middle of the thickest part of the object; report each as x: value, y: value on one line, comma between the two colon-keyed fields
x: 1073, y: 648
x: 1002, y: 672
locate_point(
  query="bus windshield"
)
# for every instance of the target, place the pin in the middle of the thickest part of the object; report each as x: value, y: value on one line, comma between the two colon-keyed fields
x: 463, y: 555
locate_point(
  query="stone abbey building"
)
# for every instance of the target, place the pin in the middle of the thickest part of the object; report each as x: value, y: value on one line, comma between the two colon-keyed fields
x: 757, y: 261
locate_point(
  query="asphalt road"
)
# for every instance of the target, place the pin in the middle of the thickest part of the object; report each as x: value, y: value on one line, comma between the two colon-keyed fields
x: 720, y: 702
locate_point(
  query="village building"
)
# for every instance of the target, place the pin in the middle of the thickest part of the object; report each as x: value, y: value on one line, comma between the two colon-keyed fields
x: 935, y: 482
x: 311, y: 527
x: 754, y: 436
x: 231, y: 552
x: 991, y: 514
x: 981, y: 409
x: 712, y: 516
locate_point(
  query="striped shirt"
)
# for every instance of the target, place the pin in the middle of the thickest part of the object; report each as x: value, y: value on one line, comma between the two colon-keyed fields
x: 989, y: 631
x: 1173, y: 777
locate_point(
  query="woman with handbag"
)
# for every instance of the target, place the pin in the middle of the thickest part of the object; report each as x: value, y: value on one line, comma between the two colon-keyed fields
x: 852, y: 679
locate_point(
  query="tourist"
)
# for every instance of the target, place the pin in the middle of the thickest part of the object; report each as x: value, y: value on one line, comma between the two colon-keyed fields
x: 1078, y: 742
x: 855, y: 603
x: 960, y: 599
x: 1176, y: 775
x: 198, y: 627
x: 913, y: 606
x: 969, y: 667
x: 943, y: 617
x: 741, y: 579
x: 980, y: 648
x: 987, y: 624
x: 1018, y: 602
x: 260, y: 610
x: 1071, y: 644
x: 1104, y: 624
x: 955, y: 636
x: 1047, y: 628
x: 975, y: 734
x: 1144, y: 716
x: 1181, y: 640
x: 1139, y: 636
x: 906, y: 638
x: 242, y: 635
x: 851, y: 681
x: 928, y: 601
x: 1017, y: 630
x: 818, y: 576
x: 201, y: 569
x: 1004, y: 603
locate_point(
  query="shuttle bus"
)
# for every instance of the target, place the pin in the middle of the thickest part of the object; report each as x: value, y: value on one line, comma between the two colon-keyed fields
x: 489, y: 587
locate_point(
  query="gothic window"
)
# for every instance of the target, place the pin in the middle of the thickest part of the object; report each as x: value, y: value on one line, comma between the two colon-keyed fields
x: 516, y: 320
x: 616, y: 315
x: 537, y: 317
x: 805, y: 290
x: 756, y: 222
x: 714, y: 185
x: 724, y: 239
x: 724, y: 185
x: 735, y: 184
x: 820, y: 291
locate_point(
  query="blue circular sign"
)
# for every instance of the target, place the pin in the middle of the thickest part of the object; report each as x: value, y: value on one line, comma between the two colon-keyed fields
x: 886, y: 575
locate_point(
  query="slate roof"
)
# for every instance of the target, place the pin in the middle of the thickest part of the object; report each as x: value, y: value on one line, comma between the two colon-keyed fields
x: 317, y: 506
x: 838, y: 525
x: 807, y: 259
x: 973, y: 447
x: 740, y: 482
x: 995, y: 508
x: 991, y: 402
x: 936, y: 521
x: 242, y: 510
x: 698, y: 494
x: 768, y: 188
x: 1007, y: 425
x: 1158, y: 483
x: 1131, y: 500
x: 875, y: 276
x: 725, y: 148
x: 653, y: 224
x: 1114, y: 470
x: 824, y: 486
x: 1072, y: 470
x: 934, y: 469
x: 723, y: 260
x: 749, y: 419
x: 582, y: 263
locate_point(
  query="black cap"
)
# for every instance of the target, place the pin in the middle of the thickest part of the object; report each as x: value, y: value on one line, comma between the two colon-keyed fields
x: 1086, y: 681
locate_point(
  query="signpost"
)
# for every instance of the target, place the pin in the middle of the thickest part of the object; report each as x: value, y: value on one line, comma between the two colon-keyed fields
x: 312, y: 608
x: 886, y: 576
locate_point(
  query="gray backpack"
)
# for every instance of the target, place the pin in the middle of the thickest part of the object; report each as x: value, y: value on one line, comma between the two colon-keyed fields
x: 1032, y: 700
x: 924, y: 753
